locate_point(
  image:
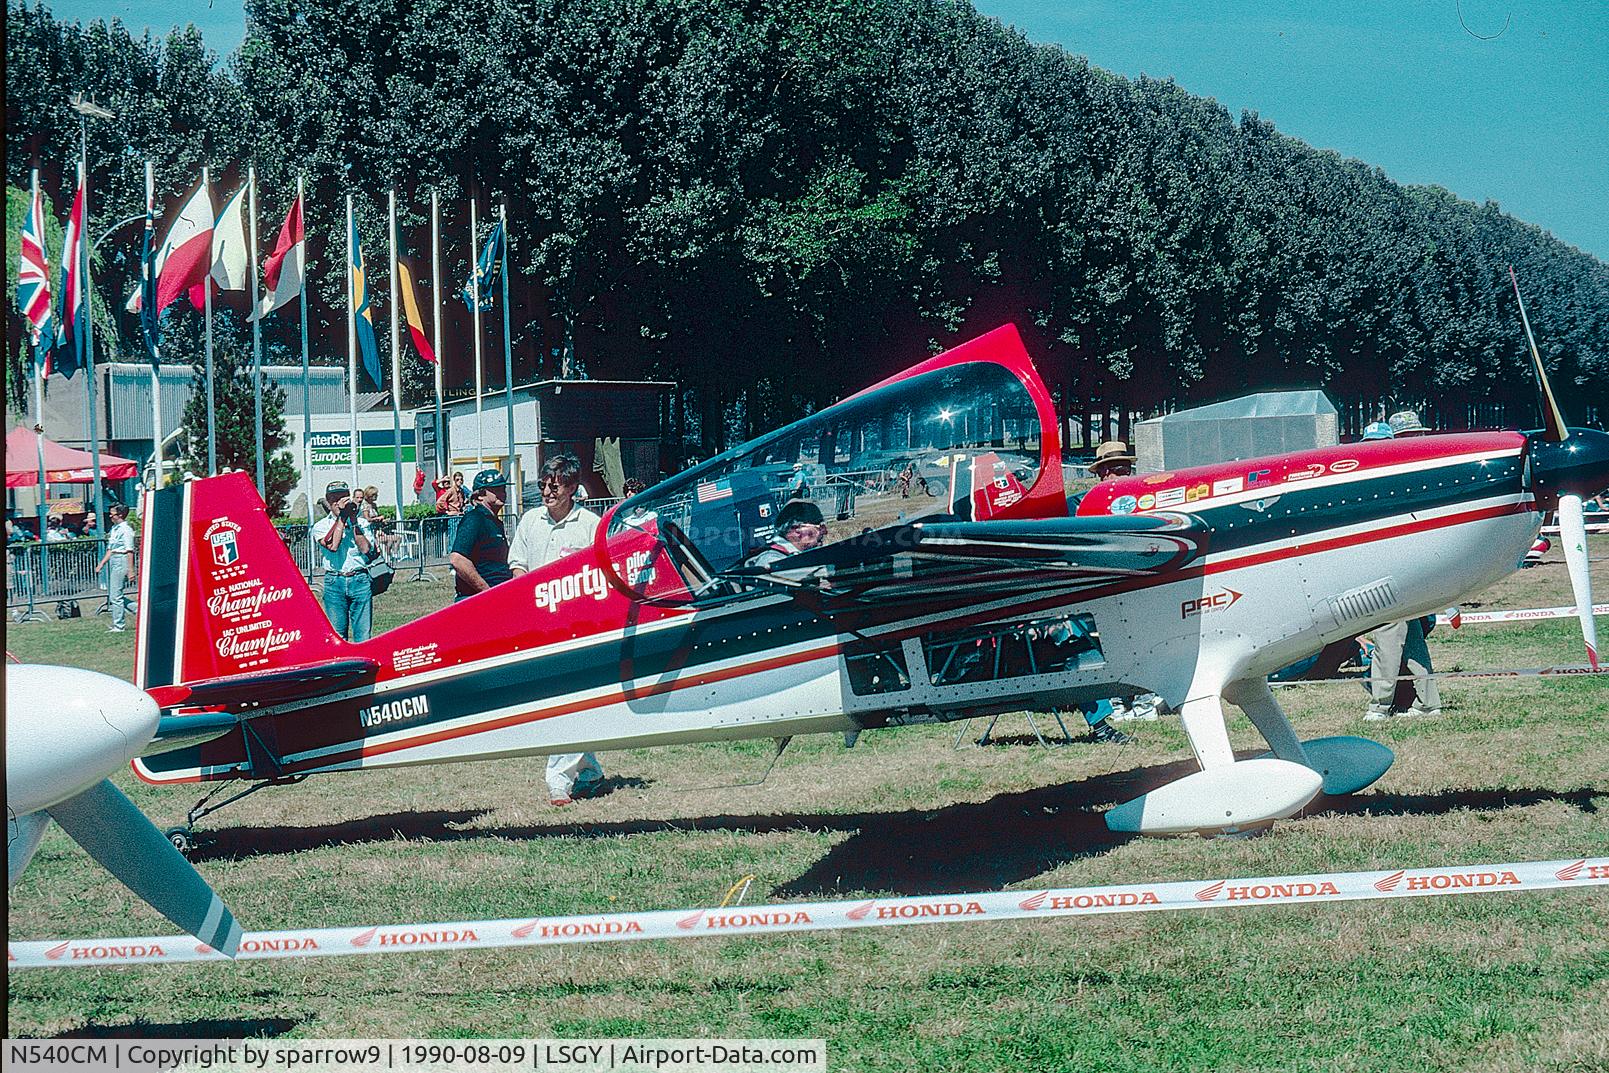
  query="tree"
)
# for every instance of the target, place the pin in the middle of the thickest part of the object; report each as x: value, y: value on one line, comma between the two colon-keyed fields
x: 233, y: 415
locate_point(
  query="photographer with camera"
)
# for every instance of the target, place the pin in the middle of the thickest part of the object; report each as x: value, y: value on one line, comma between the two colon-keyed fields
x: 344, y: 540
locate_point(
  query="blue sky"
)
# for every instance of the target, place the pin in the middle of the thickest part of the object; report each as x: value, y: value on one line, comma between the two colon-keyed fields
x: 1521, y: 119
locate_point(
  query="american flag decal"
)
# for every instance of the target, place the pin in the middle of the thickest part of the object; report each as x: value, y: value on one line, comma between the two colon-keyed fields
x: 710, y: 491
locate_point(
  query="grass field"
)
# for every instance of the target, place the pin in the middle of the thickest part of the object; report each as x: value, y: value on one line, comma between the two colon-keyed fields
x: 1514, y: 770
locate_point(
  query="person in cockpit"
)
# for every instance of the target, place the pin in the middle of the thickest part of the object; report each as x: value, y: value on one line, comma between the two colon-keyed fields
x: 799, y: 527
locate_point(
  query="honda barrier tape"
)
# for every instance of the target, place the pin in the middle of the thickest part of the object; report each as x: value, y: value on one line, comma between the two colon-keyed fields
x: 820, y: 916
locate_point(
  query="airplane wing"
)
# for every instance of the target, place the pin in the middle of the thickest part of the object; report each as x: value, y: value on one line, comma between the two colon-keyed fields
x: 923, y: 561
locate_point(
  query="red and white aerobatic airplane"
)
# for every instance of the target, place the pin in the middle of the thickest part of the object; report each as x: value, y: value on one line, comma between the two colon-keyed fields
x: 982, y: 593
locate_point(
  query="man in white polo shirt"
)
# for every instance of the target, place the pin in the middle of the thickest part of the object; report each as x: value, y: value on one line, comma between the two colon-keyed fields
x: 545, y: 534
x: 120, y: 557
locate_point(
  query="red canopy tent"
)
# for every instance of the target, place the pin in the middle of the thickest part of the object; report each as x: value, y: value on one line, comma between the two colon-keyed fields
x: 63, y: 465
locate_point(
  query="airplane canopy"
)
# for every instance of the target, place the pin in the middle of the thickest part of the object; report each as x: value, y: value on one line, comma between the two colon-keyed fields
x: 969, y: 435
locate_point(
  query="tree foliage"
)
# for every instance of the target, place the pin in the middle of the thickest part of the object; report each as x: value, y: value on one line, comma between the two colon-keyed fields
x: 774, y: 201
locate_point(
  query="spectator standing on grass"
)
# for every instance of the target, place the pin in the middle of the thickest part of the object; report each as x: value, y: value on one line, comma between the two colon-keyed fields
x: 344, y: 540
x: 480, y: 548
x: 119, y: 558
x: 1400, y: 644
x: 1112, y: 459
x: 557, y: 528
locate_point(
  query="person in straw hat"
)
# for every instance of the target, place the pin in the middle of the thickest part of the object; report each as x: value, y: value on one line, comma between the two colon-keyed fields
x: 1112, y: 459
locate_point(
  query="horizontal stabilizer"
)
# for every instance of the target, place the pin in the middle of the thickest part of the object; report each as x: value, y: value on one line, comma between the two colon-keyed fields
x: 269, y: 687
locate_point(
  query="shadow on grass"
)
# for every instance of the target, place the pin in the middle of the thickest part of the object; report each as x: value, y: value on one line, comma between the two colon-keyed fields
x: 241, y: 1028
x: 965, y: 846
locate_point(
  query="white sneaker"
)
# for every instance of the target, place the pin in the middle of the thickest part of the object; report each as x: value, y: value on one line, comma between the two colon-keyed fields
x: 115, y: 629
x: 1376, y: 715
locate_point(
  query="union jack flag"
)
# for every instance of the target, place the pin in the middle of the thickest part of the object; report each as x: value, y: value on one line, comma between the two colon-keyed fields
x: 33, y: 279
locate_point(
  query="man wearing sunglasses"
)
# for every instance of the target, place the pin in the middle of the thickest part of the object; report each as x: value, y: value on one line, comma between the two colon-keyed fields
x: 557, y: 528
x: 799, y: 527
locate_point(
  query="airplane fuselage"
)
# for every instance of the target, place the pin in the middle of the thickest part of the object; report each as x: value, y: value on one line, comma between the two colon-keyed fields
x: 1298, y: 551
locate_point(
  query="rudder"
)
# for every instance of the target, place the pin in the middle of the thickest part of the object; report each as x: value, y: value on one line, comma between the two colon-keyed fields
x: 219, y: 591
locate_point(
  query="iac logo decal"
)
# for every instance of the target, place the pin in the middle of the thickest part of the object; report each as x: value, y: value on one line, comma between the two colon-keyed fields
x: 1217, y: 601
x: 220, y: 536
x: 588, y: 581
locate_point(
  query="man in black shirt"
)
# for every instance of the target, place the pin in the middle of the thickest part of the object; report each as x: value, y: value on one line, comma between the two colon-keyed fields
x: 480, y: 550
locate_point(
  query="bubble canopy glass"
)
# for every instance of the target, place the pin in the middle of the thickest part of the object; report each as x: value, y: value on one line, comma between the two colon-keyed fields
x: 961, y: 436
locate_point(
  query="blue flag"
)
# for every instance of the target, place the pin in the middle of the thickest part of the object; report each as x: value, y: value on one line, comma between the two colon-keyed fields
x: 150, y: 319
x: 361, y: 314
x: 491, y: 256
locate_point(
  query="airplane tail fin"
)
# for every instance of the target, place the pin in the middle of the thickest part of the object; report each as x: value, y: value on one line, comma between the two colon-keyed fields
x: 219, y: 592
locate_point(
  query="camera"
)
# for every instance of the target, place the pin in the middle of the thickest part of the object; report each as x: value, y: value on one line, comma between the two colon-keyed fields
x: 349, y: 511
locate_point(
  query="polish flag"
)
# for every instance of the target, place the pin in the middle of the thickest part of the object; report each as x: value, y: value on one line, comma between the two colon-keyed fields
x: 186, y: 254
x: 283, y: 271
x: 229, y: 268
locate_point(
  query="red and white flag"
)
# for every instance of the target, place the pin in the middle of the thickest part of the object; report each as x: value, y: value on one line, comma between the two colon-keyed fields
x: 185, y: 258
x: 229, y: 267
x: 283, y: 275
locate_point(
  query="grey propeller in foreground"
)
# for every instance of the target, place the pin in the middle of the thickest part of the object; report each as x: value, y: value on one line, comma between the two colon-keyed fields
x: 66, y: 731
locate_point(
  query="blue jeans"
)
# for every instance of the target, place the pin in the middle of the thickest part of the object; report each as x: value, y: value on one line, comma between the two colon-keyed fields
x: 117, y: 571
x: 1095, y: 710
x: 349, y: 602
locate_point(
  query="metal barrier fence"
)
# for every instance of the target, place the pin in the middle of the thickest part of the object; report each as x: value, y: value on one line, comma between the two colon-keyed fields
x: 43, y: 574
x: 39, y: 576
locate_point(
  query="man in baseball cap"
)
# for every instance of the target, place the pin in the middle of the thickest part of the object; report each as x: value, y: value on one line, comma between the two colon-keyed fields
x: 480, y: 549
x: 1379, y: 430
x: 344, y: 539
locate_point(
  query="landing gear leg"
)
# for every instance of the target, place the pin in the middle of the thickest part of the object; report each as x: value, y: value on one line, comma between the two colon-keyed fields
x: 183, y: 836
x: 1226, y: 797
x: 1347, y: 764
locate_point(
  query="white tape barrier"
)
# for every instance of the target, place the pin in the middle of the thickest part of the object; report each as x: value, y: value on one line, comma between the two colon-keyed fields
x: 1526, y: 614
x: 1570, y: 670
x: 820, y: 916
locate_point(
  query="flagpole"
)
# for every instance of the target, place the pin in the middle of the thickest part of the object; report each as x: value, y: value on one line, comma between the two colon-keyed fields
x: 256, y: 334
x: 307, y: 395
x: 396, y: 358
x: 39, y: 384
x: 89, y: 342
x: 156, y: 374
x: 352, y: 336
x: 206, y: 290
x: 435, y: 317
x: 474, y: 291
x: 508, y: 352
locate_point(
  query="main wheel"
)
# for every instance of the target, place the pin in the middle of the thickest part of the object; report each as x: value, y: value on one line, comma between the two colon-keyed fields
x: 181, y: 840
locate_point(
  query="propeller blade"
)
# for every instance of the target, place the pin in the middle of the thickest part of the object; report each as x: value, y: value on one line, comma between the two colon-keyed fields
x: 1553, y: 425
x: 130, y: 847
x: 22, y: 838
x: 1573, y: 534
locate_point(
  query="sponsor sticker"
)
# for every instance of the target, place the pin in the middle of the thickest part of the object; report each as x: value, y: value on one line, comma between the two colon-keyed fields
x: 1124, y: 505
x: 1170, y: 497
x: 1210, y: 602
x: 1145, y: 502
x: 1257, y: 476
x: 1228, y: 486
x: 1197, y: 491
